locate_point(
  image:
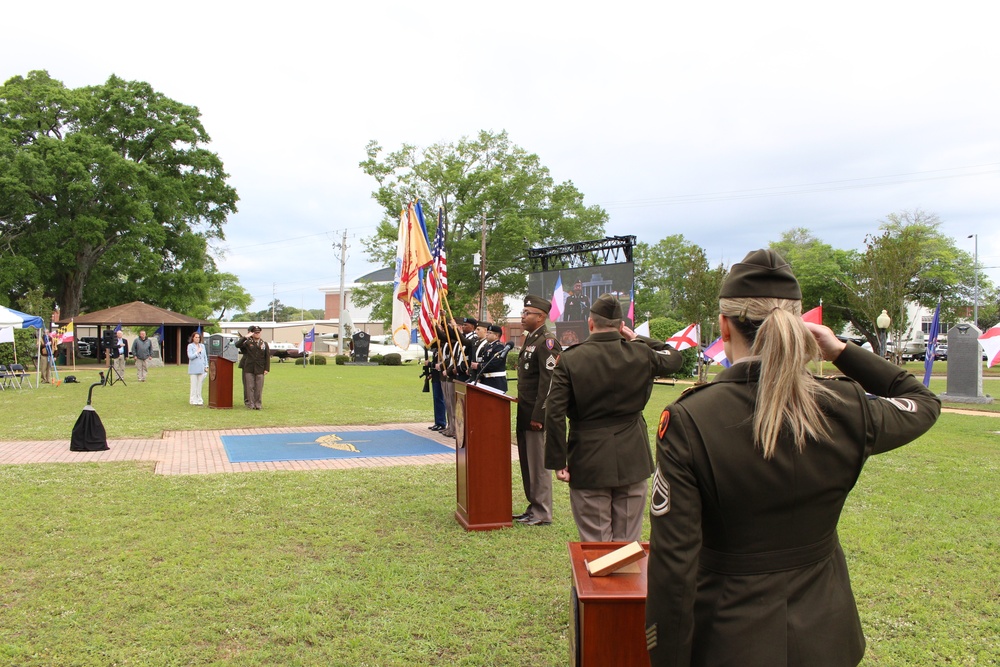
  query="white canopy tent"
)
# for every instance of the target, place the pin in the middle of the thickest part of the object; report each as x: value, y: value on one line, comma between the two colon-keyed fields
x: 15, y: 319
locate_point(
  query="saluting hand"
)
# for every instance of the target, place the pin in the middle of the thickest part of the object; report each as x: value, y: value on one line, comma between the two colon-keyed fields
x: 628, y: 333
x: 829, y: 344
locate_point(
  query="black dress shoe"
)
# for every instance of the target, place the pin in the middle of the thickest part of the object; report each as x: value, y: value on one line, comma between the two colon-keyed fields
x: 518, y: 517
x: 527, y: 518
x: 436, y: 427
x: 537, y: 522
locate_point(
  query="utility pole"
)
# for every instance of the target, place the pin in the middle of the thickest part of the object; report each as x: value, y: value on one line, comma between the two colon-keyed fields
x: 482, y: 274
x: 975, y: 267
x: 343, y: 296
x: 274, y: 300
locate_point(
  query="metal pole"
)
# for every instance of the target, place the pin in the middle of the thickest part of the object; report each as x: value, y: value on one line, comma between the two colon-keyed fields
x: 343, y: 297
x: 482, y: 274
x: 975, y: 264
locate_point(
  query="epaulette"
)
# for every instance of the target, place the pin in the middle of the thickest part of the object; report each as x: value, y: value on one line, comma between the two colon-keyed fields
x: 692, y: 389
x: 832, y: 377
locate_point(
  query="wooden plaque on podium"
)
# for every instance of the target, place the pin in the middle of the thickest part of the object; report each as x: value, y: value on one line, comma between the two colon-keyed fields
x: 608, y: 615
x: 482, y: 457
x: 220, y: 382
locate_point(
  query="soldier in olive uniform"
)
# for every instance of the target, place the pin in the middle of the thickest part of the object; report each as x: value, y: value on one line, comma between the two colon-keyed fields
x: 256, y: 363
x: 753, y: 470
x: 576, y: 308
x: 603, y: 385
x: 535, y: 364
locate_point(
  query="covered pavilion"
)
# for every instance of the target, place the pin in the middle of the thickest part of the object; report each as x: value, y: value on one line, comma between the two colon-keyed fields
x: 176, y: 327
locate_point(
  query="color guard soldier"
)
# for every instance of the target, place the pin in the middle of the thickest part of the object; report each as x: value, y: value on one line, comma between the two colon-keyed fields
x: 491, y: 362
x: 753, y: 470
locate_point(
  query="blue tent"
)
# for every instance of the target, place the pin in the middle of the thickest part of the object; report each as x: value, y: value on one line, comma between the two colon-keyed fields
x: 19, y: 320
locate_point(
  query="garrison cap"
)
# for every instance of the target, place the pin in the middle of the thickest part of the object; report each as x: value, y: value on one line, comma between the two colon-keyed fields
x: 470, y: 320
x: 253, y: 328
x: 607, y: 306
x: 537, y: 302
x: 495, y: 328
x: 762, y: 273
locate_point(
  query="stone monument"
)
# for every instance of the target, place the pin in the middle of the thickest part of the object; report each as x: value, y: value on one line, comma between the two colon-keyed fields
x: 965, y: 366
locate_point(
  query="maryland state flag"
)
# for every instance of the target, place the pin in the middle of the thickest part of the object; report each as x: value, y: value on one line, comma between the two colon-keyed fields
x: 66, y: 334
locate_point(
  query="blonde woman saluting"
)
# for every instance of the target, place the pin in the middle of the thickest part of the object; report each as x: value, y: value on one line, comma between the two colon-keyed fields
x: 752, y: 473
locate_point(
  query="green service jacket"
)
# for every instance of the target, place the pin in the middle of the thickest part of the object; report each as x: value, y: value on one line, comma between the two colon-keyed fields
x: 602, y: 385
x: 535, y: 364
x: 745, y: 567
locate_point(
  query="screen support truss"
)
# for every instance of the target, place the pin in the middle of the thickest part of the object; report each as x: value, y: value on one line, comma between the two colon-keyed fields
x: 609, y: 250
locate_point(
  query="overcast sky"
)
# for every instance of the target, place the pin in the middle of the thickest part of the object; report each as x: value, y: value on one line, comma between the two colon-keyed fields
x: 729, y: 122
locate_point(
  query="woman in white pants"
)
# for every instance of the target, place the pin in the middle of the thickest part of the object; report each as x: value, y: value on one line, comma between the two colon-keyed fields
x: 197, y: 365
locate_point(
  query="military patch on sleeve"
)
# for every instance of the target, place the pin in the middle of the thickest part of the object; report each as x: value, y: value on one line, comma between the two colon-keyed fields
x: 659, y: 499
x: 664, y: 420
x: 550, y: 343
x: 651, y: 637
x: 902, y: 404
x: 551, y: 362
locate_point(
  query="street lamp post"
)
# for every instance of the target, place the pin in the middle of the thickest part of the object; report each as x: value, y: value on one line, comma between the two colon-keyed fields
x: 882, y: 322
x: 975, y: 264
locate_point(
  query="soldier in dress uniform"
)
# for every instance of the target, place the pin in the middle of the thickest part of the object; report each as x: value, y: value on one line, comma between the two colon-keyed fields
x: 491, y: 359
x: 576, y: 308
x: 538, y: 358
x: 603, y: 385
x: 752, y: 473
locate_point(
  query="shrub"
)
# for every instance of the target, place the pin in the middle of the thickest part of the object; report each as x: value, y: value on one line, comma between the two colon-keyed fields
x: 316, y: 360
x: 341, y: 359
x: 392, y: 359
x: 375, y: 359
x: 512, y: 359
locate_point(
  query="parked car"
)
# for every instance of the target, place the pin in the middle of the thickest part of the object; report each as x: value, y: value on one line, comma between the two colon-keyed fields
x: 383, y: 345
x: 83, y: 349
x: 941, y: 354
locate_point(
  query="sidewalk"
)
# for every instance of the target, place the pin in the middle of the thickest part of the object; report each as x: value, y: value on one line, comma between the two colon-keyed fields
x: 202, y: 452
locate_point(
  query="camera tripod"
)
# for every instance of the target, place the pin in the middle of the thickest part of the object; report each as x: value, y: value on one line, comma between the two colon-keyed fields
x: 113, y: 372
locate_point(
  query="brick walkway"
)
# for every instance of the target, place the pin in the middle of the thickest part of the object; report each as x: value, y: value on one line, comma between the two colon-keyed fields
x: 202, y: 453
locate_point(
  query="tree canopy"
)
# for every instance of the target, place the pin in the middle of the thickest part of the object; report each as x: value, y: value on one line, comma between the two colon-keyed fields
x: 482, y: 182
x: 108, y: 195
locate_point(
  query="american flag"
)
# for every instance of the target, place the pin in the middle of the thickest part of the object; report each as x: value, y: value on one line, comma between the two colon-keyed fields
x: 430, y: 305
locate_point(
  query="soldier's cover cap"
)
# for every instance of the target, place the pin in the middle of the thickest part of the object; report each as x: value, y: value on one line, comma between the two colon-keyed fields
x: 607, y: 306
x: 496, y: 328
x: 470, y: 320
x: 762, y: 273
x: 252, y: 328
x: 484, y: 324
x: 533, y: 301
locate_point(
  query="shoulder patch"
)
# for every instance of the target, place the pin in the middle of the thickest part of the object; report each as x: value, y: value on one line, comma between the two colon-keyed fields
x: 664, y: 421
x: 550, y: 342
x: 551, y: 362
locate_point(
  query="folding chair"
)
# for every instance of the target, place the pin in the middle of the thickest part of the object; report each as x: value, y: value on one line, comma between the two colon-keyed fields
x: 19, y: 375
x: 4, y: 378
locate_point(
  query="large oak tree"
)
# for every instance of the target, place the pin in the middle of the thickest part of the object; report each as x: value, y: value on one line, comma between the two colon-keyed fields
x: 107, y: 194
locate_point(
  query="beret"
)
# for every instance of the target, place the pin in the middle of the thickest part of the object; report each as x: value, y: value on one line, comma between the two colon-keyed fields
x: 470, y: 320
x: 762, y: 273
x: 484, y: 324
x: 533, y: 301
x: 496, y: 328
x: 607, y: 306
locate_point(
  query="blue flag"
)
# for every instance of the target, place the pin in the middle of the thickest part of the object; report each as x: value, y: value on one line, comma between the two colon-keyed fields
x: 932, y: 342
x: 118, y: 328
x: 160, y: 333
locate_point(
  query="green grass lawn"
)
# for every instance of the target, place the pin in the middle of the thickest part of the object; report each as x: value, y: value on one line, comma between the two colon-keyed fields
x: 109, y: 564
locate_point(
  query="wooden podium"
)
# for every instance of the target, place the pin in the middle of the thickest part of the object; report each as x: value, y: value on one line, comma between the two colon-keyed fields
x: 220, y: 383
x: 482, y: 457
x: 608, y: 614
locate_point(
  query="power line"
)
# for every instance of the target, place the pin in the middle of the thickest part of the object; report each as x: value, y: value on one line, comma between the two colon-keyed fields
x: 807, y: 188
